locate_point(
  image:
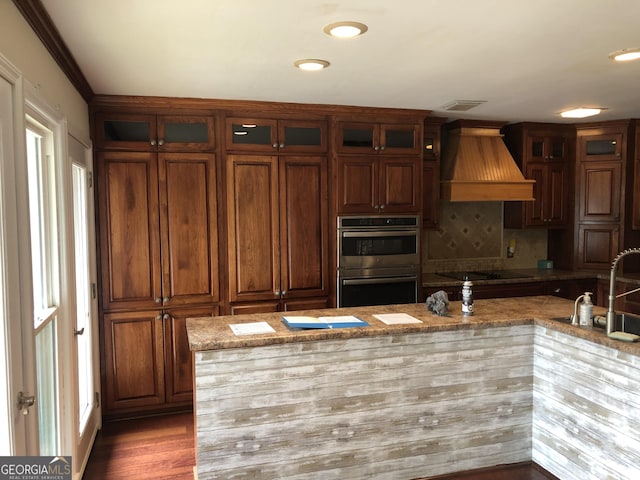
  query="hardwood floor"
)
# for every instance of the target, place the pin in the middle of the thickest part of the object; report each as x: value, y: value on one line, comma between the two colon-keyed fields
x: 151, y: 448
x: 162, y: 448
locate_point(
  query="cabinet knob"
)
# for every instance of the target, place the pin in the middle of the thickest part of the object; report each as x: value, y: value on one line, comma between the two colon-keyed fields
x: 161, y: 142
x: 166, y: 316
x: 381, y: 147
x: 277, y: 293
x: 376, y: 148
x: 382, y: 207
x: 165, y: 300
x: 284, y: 292
x: 281, y: 145
x: 275, y: 145
x: 158, y: 300
x: 153, y: 143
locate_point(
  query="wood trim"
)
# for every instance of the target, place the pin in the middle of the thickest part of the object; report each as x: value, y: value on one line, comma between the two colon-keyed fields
x: 36, y: 15
x: 240, y: 108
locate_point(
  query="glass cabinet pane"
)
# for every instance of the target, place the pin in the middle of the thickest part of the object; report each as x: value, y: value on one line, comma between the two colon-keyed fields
x: 251, y: 134
x: 399, y: 138
x: 183, y: 132
x: 537, y: 148
x: 557, y: 148
x: 601, y: 147
x: 297, y: 135
x: 357, y: 137
x: 126, y: 131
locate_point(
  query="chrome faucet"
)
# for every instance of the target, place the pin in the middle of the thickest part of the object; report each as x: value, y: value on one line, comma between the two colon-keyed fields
x: 611, y: 314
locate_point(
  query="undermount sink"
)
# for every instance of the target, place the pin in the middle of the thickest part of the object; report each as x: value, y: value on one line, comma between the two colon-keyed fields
x: 624, y: 322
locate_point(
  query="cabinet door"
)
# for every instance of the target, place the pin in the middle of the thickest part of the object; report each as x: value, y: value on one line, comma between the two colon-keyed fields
x: 185, y: 133
x: 304, y: 227
x: 357, y: 184
x: 178, y: 356
x: 430, y: 194
x: 557, y: 194
x: 118, y: 131
x: 598, y: 244
x: 253, y: 227
x: 187, y: 186
x: 601, y: 189
x: 129, y: 230
x: 602, y: 147
x: 396, y: 139
x: 302, y: 136
x: 251, y: 135
x: 133, y: 353
x: 357, y: 137
x: 535, y: 211
x: 399, y: 187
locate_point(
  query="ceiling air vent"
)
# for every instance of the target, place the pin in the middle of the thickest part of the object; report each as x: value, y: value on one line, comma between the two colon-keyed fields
x: 462, y: 105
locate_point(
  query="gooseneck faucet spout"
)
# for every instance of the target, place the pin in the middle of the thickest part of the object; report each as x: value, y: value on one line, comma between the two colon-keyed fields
x: 611, y: 313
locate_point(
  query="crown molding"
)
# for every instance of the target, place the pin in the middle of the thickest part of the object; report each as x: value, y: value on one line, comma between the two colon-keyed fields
x: 35, y: 14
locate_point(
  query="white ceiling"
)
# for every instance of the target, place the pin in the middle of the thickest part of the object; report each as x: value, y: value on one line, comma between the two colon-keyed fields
x: 529, y: 59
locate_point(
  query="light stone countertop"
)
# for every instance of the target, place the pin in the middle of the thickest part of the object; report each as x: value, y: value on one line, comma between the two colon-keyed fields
x: 214, y: 333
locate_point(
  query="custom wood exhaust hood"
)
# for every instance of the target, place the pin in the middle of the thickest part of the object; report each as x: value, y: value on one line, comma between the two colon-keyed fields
x: 477, y: 166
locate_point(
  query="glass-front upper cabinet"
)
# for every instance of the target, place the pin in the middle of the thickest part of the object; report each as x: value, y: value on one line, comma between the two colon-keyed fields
x: 362, y: 137
x: 547, y: 148
x: 177, y: 133
x: 280, y: 136
x: 603, y: 147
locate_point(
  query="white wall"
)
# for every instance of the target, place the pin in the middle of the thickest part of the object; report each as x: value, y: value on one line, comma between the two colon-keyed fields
x: 22, y: 47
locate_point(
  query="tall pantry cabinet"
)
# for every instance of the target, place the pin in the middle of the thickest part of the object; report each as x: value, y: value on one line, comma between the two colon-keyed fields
x: 277, y: 217
x: 158, y: 245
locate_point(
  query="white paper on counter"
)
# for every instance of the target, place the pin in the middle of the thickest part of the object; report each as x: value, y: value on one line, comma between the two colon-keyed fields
x: 251, y: 328
x: 396, y: 318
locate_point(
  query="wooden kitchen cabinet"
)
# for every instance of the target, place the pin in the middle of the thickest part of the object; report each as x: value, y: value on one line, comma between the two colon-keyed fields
x: 158, y: 230
x: 277, y: 232
x: 369, y: 184
x: 543, y: 153
x: 148, y: 363
x: 378, y: 138
x: 133, y: 360
x: 600, y: 184
x: 158, y: 243
x: 276, y: 136
x: 431, y: 171
x: 165, y: 133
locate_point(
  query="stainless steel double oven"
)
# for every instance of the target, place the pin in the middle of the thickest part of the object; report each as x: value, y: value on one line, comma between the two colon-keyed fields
x: 378, y: 260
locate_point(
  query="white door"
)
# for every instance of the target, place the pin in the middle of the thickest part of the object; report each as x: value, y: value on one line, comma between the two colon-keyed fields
x: 86, y: 363
x: 11, y: 419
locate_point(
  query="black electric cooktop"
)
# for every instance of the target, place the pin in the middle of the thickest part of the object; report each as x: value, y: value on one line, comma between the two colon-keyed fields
x: 484, y: 275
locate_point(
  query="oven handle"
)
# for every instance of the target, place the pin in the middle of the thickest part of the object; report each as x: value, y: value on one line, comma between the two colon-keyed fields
x: 389, y: 233
x: 371, y: 281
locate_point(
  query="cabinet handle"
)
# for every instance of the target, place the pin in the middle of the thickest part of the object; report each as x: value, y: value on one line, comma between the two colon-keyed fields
x: 78, y: 332
x: 161, y: 142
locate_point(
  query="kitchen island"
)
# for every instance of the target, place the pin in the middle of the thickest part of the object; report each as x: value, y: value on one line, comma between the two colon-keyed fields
x: 506, y: 385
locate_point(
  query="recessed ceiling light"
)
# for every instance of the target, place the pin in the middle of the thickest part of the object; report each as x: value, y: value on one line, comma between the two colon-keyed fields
x: 625, y: 55
x: 345, y: 29
x: 580, y: 112
x: 311, y: 64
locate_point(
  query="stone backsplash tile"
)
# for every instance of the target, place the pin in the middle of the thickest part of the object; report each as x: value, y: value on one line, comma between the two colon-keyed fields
x: 470, y: 236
